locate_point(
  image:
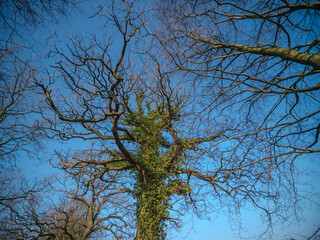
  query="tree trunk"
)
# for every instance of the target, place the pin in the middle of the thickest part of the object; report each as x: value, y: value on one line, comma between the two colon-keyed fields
x: 151, y: 212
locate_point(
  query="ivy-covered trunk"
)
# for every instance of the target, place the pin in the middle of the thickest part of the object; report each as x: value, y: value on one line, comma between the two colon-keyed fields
x: 158, y: 152
x: 152, y: 211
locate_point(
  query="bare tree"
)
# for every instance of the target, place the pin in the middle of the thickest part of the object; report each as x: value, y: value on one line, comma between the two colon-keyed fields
x: 132, y: 114
x: 19, y: 124
x: 254, y: 66
x: 102, y: 197
x: 78, y: 206
x: 252, y: 57
x: 214, y: 110
x: 18, y: 68
x: 15, y: 191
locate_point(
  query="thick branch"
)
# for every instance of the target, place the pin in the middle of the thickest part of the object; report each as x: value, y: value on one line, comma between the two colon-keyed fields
x: 284, y: 53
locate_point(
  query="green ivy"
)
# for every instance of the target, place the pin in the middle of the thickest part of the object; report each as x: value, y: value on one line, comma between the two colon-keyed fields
x: 149, y: 126
x: 154, y: 153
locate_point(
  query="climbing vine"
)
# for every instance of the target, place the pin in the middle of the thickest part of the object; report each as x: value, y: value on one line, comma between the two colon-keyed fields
x: 161, y: 157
